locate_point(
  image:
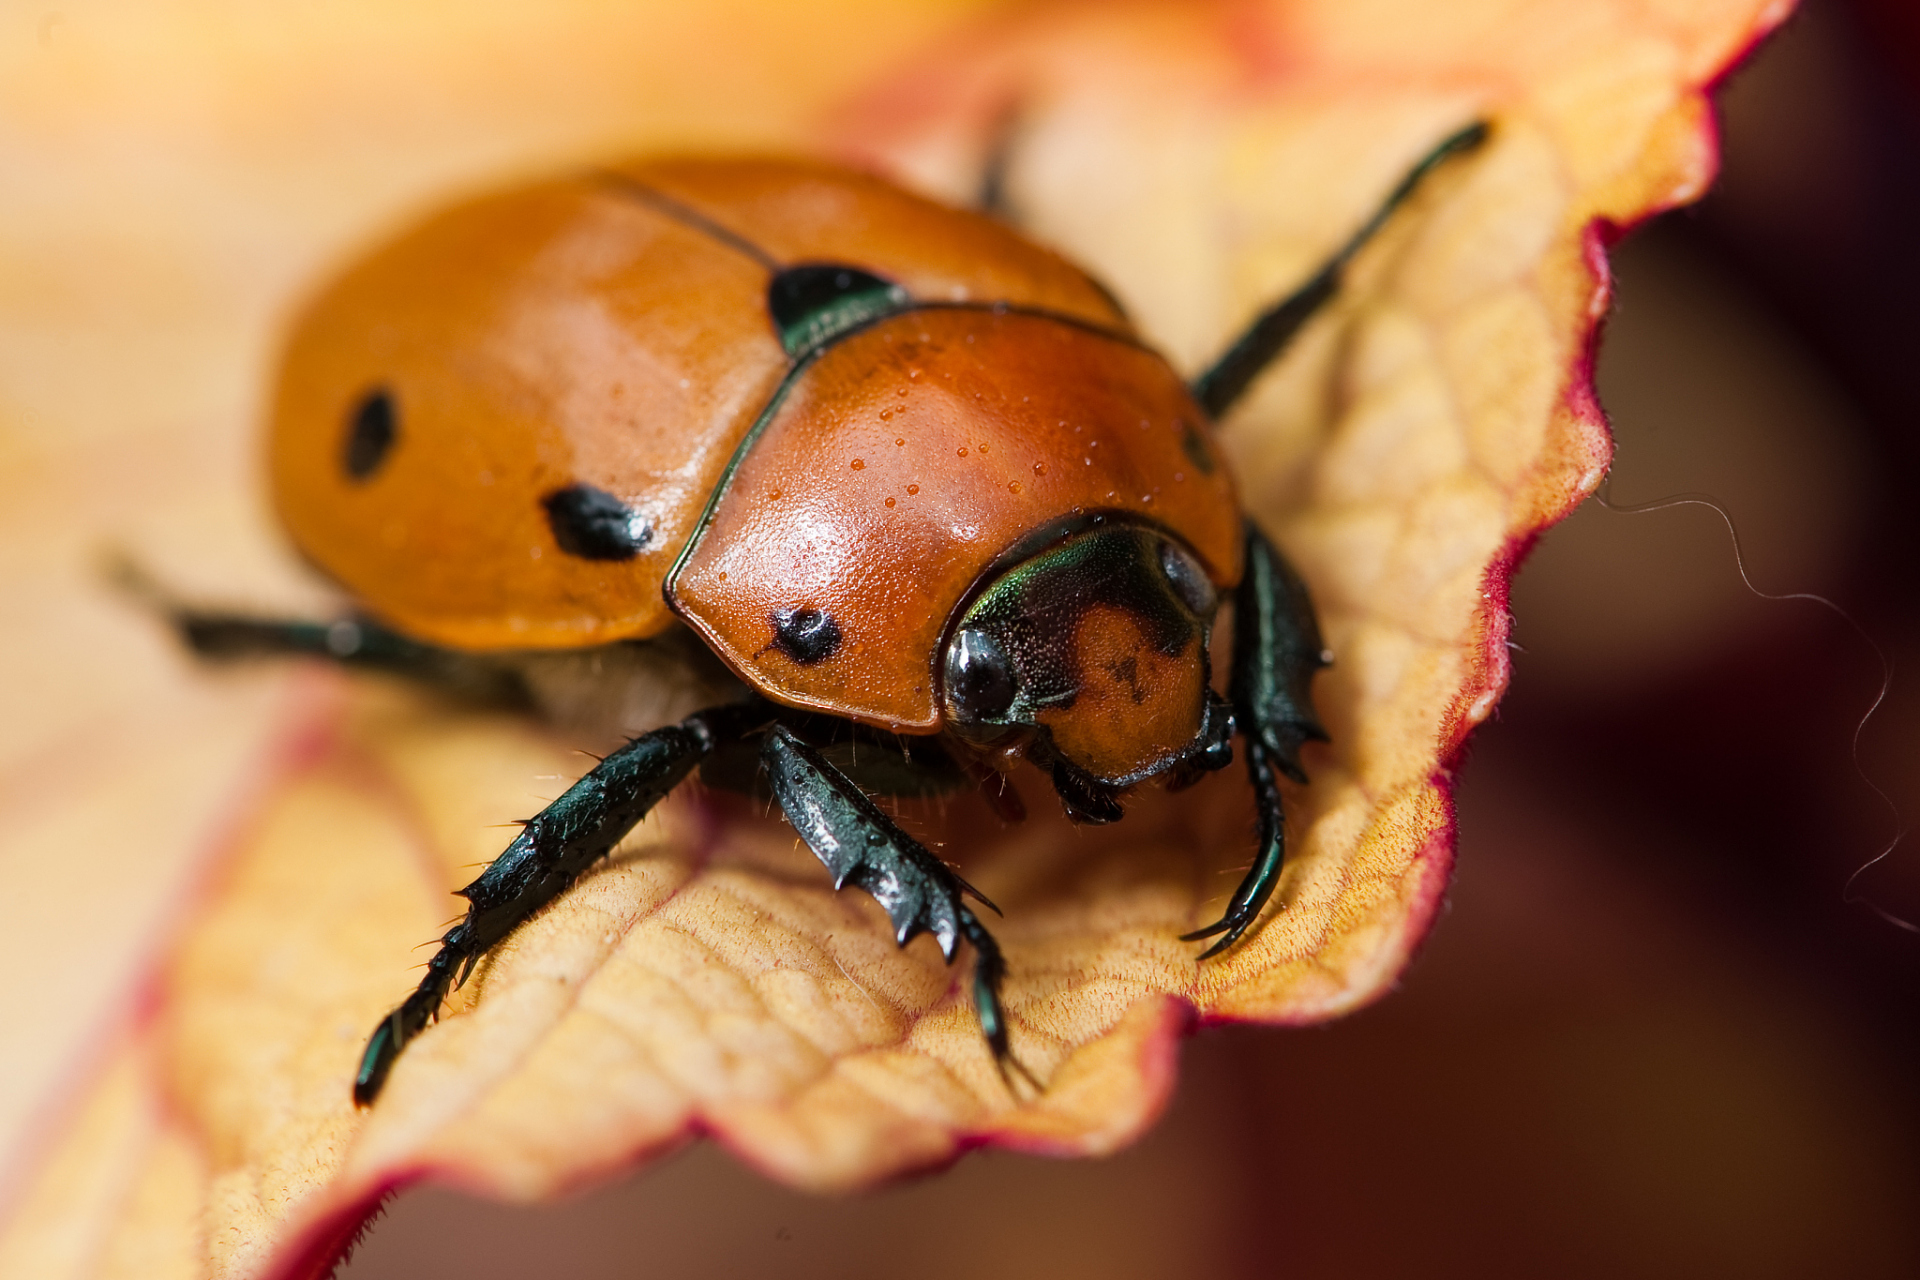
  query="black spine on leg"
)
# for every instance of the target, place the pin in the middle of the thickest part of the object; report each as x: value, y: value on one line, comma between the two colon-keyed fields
x: 1261, y: 344
x: 1276, y: 652
x: 861, y: 846
x: 562, y: 841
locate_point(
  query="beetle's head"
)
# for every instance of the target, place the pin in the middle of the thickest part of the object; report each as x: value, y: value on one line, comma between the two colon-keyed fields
x: 1096, y: 646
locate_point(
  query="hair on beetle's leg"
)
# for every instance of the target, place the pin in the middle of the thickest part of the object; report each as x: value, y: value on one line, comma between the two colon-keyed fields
x: 560, y: 842
x: 1276, y: 653
x: 1261, y: 344
x: 997, y: 789
x: 862, y: 846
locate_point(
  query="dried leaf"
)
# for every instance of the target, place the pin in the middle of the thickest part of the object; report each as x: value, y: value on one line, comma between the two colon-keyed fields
x: 707, y: 980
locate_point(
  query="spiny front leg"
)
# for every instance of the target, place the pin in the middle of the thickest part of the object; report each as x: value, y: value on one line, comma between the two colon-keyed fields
x: 860, y: 845
x: 549, y: 854
x: 1276, y: 652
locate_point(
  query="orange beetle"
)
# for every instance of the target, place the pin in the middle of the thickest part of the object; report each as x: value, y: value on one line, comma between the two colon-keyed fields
x: 903, y: 471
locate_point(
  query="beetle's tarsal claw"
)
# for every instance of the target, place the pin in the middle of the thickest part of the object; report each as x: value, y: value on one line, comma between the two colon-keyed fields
x: 378, y: 1059
x: 1240, y: 915
x: 1010, y: 1066
x: 989, y: 971
x: 1276, y: 651
x: 398, y: 1028
x: 1232, y: 936
x: 1262, y: 877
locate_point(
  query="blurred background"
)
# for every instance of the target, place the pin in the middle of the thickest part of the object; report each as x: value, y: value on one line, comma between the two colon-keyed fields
x: 1653, y: 1036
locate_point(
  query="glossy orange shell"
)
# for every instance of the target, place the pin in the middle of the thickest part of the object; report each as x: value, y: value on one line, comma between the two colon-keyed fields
x: 908, y: 458
x: 609, y: 329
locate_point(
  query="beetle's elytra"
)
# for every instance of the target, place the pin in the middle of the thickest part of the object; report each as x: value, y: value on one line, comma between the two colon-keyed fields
x: 903, y: 471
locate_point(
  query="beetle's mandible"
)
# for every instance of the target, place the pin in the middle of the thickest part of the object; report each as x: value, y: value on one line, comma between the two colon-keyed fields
x: 903, y: 471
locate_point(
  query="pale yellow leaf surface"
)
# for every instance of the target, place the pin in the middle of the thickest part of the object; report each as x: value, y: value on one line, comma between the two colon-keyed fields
x: 707, y: 981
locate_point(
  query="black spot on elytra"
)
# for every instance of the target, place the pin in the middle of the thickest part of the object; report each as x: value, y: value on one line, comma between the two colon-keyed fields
x: 594, y: 525
x: 805, y: 635
x: 370, y: 434
x: 814, y: 303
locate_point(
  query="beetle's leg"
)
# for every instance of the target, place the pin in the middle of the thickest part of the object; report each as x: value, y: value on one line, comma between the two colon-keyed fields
x: 1276, y: 651
x: 1261, y: 344
x: 550, y: 853
x: 862, y: 846
x: 352, y: 642
x: 220, y: 635
x: 990, y: 197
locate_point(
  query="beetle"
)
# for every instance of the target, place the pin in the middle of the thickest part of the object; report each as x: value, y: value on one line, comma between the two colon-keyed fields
x: 909, y: 476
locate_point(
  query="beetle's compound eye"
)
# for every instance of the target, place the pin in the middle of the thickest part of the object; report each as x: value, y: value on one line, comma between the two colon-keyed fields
x: 1188, y: 579
x: 594, y: 525
x: 1098, y: 642
x: 979, y: 677
x: 371, y: 429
